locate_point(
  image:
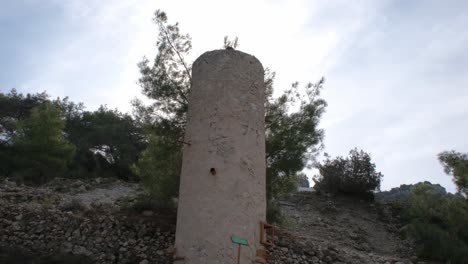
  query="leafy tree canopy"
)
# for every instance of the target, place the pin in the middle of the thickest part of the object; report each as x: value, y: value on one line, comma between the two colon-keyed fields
x: 107, y: 142
x: 456, y: 164
x: 41, y: 150
x: 14, y: 107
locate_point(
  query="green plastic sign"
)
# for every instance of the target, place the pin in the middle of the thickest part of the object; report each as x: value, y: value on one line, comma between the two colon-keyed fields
x: 239, y: 241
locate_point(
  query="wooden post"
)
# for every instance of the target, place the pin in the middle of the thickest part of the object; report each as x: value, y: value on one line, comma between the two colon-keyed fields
x: 238, y: 254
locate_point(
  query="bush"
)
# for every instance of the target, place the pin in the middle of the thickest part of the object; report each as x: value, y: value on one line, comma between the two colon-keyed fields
x: 436, y: 243
x: 273, y: 213
x: 439, y: 225
x: 159, y: 171
x: 354, y: 175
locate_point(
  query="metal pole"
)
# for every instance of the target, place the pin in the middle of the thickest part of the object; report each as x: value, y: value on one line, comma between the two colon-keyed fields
x: 238, y: 254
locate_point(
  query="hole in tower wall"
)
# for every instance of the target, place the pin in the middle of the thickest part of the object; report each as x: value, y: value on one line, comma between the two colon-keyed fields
x: 213, y: 171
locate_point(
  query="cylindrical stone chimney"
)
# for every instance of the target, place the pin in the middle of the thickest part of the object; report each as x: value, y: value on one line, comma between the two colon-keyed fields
x: 222, y: 186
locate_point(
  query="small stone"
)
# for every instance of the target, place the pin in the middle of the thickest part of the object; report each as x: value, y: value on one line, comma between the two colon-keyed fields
x: 79, y: 250
x: 260, y: 260
x: 315, y: 260
x: 148, y: 213
x: 67, y: 247
x: 170, y: 250
x: 10, y: 184
x: 144, y: 261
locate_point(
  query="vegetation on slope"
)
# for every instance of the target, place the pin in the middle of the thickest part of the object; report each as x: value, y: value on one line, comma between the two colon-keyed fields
x: 355, y: 175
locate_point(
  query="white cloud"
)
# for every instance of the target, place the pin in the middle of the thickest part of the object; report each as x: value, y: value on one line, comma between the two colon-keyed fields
x: 110, y: 37
x: 395, y: 74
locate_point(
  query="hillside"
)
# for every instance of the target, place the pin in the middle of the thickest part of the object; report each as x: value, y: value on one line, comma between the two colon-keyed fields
x: 325, y: 229
x: 86, y: 222
x: 79, y: 222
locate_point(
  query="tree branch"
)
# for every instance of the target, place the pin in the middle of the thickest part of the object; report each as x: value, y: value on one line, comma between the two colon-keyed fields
x: 176, y: 51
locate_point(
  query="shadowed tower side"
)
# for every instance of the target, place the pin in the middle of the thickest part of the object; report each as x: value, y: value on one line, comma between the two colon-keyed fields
x: 222, y: 189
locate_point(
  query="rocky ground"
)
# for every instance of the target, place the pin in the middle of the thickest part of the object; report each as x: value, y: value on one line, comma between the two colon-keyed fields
x: 71, y: 221
x: 325, y: 229
x: 79, y: 222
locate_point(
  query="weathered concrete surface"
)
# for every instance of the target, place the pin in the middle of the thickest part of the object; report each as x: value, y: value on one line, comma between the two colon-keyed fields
x: 225, y: 130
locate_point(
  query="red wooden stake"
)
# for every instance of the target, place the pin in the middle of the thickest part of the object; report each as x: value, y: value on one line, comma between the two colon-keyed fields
x: 238, y: 254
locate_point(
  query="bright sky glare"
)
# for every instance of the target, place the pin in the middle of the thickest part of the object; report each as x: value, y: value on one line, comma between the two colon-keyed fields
x: 395, y: 70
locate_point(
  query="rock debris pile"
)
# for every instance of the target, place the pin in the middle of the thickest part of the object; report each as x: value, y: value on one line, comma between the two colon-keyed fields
x: 32, y: 221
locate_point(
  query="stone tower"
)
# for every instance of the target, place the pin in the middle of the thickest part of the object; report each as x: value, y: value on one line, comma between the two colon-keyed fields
x: 222, y: 186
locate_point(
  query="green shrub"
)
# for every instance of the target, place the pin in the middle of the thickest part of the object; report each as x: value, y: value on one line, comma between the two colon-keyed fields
x: 354, y: 175
x: 438, y: 224
x: 437, y: 243
x: 274, y: 214
x: 159, y: 171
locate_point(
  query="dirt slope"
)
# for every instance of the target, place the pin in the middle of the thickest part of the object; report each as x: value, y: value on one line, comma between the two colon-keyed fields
x: 324, y: 229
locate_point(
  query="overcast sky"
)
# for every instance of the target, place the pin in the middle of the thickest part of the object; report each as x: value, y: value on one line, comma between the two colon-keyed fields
x: 396, y: 71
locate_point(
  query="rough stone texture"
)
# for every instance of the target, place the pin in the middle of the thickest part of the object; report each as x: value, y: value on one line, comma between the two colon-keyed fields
x: 225, y: 131
x: 36, y: 229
